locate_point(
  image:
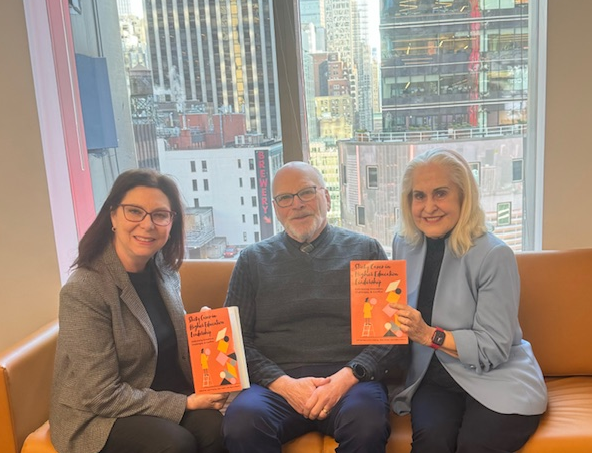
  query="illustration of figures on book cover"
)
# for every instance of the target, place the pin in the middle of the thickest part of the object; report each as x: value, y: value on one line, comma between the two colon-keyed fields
x: 217, y: 358
x: 375, y: 285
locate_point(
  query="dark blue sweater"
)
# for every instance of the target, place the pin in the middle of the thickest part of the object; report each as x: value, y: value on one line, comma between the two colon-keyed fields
x: 295, y: 306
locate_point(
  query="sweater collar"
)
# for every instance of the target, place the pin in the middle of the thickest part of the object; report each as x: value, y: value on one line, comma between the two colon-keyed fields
x: 307, y: 247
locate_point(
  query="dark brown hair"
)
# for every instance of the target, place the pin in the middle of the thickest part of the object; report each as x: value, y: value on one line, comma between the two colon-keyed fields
x: 99, y: 234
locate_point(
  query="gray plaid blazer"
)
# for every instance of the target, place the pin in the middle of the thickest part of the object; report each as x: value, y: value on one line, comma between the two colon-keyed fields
x: 106, y: 355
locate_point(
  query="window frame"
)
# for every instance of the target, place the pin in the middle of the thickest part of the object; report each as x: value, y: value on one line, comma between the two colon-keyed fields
x: 60, y: 119
x: 372, y: 179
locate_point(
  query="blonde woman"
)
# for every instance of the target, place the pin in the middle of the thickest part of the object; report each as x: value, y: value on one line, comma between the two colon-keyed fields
x: 474, y: 385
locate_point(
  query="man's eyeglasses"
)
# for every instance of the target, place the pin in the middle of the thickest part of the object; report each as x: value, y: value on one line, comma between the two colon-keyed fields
x: 284, y: 200
x: 160, y: 217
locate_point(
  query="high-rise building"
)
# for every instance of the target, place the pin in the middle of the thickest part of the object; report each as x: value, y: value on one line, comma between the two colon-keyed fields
x: 312, y: 18
x: 143, y: 117
x: 376, y: 92
x: 139, y: 78
x: 124, y: 7
x: 217, y: 53
x: 348, y: 37
x: 326, y: 159
x: 453, y: 65
x: 454, y: 74
x: 313, y: 12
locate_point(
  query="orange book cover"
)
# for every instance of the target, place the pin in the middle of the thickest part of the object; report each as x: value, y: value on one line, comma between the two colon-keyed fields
x: 216, y: 351
x: 374, y: 286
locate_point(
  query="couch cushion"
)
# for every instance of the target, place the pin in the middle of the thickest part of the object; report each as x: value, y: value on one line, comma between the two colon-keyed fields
x: 39, y: 441
x: 309, y: 443
x: 567, y: 424
x: 399, y: 440
x: 204, y: 282
x: 565, y: 427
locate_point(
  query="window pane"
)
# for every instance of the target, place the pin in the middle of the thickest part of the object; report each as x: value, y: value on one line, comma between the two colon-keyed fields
x: 387, y: 80
x: 372, y: 177
x: 360, y: 215
x: 199, y: 90
x: 383, y: 81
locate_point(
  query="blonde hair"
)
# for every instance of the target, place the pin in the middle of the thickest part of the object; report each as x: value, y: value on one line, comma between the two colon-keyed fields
x: 471, y: 221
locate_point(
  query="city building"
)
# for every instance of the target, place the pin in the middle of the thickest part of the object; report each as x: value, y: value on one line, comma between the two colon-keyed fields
x: 455, y: 64
x: 347, y: 31
x: 370, y: 178
x: 143, y: 117
x: 199, y: 128
x: 227, y: 192
x: 217, y: 53
x: 312, y: 18
x: 133, y: 40
x: 326, y: 159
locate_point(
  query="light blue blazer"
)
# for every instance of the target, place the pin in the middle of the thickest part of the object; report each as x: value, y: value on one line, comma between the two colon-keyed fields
x: 477, y: 299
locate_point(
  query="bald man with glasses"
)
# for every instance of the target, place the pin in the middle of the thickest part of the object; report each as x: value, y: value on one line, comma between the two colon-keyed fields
x: 292, y: 291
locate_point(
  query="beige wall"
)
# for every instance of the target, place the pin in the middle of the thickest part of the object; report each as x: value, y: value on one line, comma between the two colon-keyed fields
x: 567, y: 212
x: 30, y: 275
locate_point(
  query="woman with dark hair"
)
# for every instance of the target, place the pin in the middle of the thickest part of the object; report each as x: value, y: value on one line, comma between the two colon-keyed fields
x: 122, y: 379
x: 474, y: 385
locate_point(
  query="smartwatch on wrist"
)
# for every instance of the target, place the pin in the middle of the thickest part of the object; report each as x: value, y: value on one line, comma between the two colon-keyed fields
x: 438, y: 338
x: 359, y: 372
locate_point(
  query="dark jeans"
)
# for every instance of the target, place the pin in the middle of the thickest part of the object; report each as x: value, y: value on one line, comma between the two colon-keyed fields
x: 259, y: 420
x: 198, y: 432
x: 446, y: 419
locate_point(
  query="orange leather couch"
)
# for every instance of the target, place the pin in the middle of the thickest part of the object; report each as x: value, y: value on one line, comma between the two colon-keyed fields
x: 555, y: 313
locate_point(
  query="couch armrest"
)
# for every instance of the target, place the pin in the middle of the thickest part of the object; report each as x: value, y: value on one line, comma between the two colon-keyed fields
x: 26, y: 371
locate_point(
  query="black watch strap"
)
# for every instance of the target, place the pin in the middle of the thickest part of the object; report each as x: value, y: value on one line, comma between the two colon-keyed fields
x: 359, y: 372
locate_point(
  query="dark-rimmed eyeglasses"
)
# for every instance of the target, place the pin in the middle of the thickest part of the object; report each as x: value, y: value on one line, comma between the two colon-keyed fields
x: 160, y: 217
x: 284, y: 200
